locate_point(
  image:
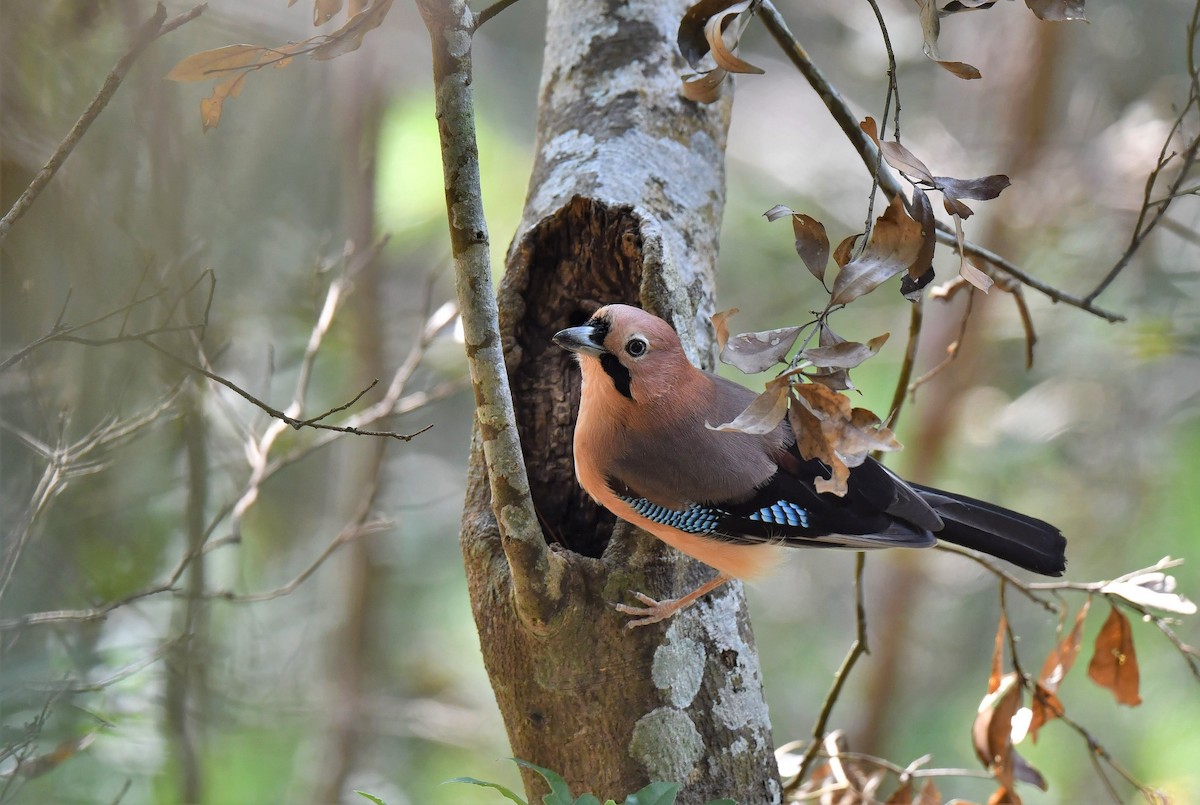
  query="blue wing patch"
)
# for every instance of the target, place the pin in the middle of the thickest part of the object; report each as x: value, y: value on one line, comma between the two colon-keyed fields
x: 695, y: 519
x: 782, y: 513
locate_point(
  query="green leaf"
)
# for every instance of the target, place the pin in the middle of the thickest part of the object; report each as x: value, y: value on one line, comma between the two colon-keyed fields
x: 372, y: 797
x: 482, y: 784
x: 657, y: 793
x: 560, y: 792
x: 586, y: 799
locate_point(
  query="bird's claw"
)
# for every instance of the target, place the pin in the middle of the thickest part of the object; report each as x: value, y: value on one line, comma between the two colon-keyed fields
x: 653, y: 612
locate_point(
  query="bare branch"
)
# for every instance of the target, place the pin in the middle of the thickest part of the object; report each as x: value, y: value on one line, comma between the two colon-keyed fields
x: 530, y: 560
x: 857, y: 649
x: 152, y: 29
x: 1155, y: 209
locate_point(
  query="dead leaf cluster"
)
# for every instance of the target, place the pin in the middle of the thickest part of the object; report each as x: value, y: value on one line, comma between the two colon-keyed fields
x: 712, y: 28
x: 953, y: 190
x: 232, y: 63
x: 1002, y: 721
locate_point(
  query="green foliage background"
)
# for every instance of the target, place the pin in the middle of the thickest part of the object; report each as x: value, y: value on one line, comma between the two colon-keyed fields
x: 1101, y: 436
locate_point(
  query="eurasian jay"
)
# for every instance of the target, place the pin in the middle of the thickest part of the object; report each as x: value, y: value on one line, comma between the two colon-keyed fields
x: 731, y: 499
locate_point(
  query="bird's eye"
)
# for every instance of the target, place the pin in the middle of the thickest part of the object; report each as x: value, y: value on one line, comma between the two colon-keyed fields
x: 636, y: 347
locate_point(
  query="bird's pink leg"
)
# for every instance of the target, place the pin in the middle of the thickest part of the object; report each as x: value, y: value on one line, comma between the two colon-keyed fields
x: 656, y: 611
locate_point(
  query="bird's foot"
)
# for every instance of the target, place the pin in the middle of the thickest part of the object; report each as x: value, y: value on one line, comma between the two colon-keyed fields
x: 653, y: 612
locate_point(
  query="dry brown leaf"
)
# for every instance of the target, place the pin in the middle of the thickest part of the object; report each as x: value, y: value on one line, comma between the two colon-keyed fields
x: 845, y: 249
x: 845, y: 354
x: 827, y: 428
x: 757, y: 352
x: 895, y: 243
x: 920, y: 271
x: 902, y: 795
x: 812, y: 444
x: 983, y: 188
x: 349, y: 37
x: 777, y: 212
x: 931, y: 28
x: 929, y: 794
x: 1057, y: 10
x: 1046, y: 706
x: 691, y: 39
x: 998, y: 654
x: 720, y: 323
x: 764, y: 414
x: 714, y: 29
x: 991, y: 734
x: 896, y: 154
x: 705, y: 87
x: 213, y: 63
x: 325, y: 10
x: 812, y: 244
x: 1004, y: 796
x: 1114, y: 663
x: 974, y: 276
x: 210, y: 107
x: 862, y: 435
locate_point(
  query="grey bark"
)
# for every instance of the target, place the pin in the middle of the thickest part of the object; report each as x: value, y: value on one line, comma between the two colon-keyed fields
x: 624, y: 205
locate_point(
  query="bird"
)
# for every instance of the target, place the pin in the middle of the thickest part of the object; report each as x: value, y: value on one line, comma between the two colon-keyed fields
x: 645, y: 449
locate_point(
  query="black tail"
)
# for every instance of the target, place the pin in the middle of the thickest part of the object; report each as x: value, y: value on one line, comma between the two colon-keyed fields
x: 1025, y: 541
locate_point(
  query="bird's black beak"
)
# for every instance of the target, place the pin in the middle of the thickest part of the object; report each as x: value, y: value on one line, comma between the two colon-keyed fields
x: 586, y: 339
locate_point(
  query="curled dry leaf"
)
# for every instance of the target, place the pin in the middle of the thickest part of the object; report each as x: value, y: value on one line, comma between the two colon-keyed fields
x: 764, y: 414
x: 714, y: 30
x: 704, y: 88
x: 1155, y: 590
x: 210, y: 107
x: 757, y: 352
x: 920, y: 271
x: 1046, y: 705
x: 991, y: 733
x: 895, y: 243
x: 845, y: 249
x: 1114, y: 663
x: 777, y: 212
x: 693, y: 44
x: 1057, y: 10
x: 931, y: 27
x: 720, y: 323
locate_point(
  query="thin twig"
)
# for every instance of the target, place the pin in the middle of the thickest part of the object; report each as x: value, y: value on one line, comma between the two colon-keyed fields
x: 274, y: 412
x: 491, y: 11
x: 952, y: 350
x: 152, y: 29
x: 1142, y: 228
x: 857, y: 649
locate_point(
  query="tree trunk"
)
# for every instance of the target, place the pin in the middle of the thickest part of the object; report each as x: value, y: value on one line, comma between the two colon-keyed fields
x: 624, y: 205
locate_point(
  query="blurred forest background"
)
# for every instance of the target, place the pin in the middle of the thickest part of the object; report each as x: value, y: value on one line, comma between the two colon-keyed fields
x: 118, y: 462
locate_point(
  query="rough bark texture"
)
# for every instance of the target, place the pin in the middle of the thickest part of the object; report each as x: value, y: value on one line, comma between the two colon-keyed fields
x: 624, y: 205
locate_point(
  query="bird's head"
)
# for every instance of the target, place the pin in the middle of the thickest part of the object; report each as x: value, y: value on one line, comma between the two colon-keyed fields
x: 639, y: 353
